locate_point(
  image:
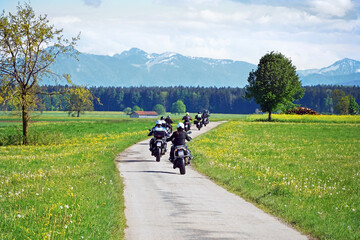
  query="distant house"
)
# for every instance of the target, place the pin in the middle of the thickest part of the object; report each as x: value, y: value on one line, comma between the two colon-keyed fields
x: 144, y: 114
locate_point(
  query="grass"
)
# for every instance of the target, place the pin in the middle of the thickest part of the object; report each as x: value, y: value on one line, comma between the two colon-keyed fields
x: 62, y: 116
x: 304, y: 169
x: 65, y: 185
x: 306, y: 173
x: 306, y: 118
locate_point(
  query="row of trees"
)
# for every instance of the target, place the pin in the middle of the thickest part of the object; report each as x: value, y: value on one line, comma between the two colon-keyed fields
x: 160, y: 99
x: 321, y: 98
x: 344, y: 104
x: 177, y: 108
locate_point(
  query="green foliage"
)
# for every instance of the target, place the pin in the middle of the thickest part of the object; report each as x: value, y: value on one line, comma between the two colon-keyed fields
x: 159, y: 109
x: 353, y: 106
x: 178, y: 107
x: 137, y: 108
x: 79, y: 100
x: 344, y: 104
x: 305, y: 173
x: 26, y: 58
x: 288, y: 106
x: 274, y: 83
x: 218, y: 100
x: 341, y: 102
x: 127, y: 110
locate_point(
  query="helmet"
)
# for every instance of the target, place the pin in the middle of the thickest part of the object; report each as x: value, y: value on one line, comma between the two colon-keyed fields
x: 199, y: 112
x: 158, y: 122
x: 168, y: 116
x: 180, y: 125
x: 187, y: 113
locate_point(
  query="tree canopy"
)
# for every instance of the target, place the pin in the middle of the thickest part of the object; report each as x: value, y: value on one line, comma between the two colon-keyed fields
x: 80, y: 99
x: 353, y: 106
x: 178, y: 107
x: 159, y: 109
x: 28, y: 47
x: 274, y: 83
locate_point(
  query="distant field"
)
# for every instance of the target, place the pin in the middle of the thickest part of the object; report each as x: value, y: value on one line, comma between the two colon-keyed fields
x: 60, y: 115
x: 307, y: 173
x: 307, y: 118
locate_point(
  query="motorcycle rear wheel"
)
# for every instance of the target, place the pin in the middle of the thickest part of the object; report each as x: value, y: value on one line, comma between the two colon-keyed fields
x: 158, y: 155
x: 182, y: 166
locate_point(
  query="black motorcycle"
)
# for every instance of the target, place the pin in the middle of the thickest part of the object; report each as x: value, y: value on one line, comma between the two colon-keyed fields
x: 205, y: 121
x: 198, y: 123
x: 187, y: 126
x: 205, y: 117
x: 169, y: 128
x: 182, y: 158
x: 158, y: 148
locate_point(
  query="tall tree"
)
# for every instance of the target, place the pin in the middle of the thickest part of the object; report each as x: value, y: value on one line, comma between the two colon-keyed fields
x: 339, y: 101
x: 274, y: 83
x: 353, y: 106
x: 25, y: 57
x: 79, y: 100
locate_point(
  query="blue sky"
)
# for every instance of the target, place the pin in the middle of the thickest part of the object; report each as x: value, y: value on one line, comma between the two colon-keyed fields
x: 312, y: 33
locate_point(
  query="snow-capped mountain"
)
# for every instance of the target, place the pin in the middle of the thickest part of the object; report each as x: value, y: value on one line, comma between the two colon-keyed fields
x: 343, y: 72
x: 139, y: 68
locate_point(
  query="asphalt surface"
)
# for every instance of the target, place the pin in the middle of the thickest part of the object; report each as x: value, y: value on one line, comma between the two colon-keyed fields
x: 162, y: 204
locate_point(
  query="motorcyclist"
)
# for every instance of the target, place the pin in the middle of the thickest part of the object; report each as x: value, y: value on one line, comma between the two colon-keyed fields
x: 178, y: 138
x: 163, y: 122
x: 206, y: 114
x: 198, y: 116
x: 169, y: 121
x: 158, y: 128
x: 187, y: 120
x: 205, y: 117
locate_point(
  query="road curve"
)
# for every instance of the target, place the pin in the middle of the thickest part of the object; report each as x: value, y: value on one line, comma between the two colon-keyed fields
x: 162, y: 204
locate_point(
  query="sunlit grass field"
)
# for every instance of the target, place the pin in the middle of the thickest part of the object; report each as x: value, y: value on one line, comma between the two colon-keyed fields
x: 306, y: 118
x: 61, y: 116
x: 304, y: 169
x: 65, y: 185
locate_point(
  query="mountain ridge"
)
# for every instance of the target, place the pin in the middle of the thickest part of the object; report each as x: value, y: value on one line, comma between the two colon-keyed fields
x: 136, y: 67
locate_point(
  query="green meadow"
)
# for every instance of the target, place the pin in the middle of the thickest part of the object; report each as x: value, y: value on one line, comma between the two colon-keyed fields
x: 65, y: 185
x: 303, y: 169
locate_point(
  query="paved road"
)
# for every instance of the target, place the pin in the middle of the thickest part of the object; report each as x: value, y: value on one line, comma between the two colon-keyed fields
x: 162, y: 204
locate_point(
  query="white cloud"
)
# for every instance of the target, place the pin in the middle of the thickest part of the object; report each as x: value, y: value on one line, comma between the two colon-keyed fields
x: 220, y: 29
x: 65, y: 20
x: 331, y: 8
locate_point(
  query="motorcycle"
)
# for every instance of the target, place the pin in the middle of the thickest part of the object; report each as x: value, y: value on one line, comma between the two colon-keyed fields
x: 182, y: 158
x: 169, y: 128
x: 205, y: 121
x: 159, y: 145
x: 198, y: 123
x: 187, y: 126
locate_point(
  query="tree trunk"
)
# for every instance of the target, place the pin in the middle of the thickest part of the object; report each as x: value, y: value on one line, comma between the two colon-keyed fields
x: 78, y: 113
x: 269, y: 119
x: 25, y: 120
